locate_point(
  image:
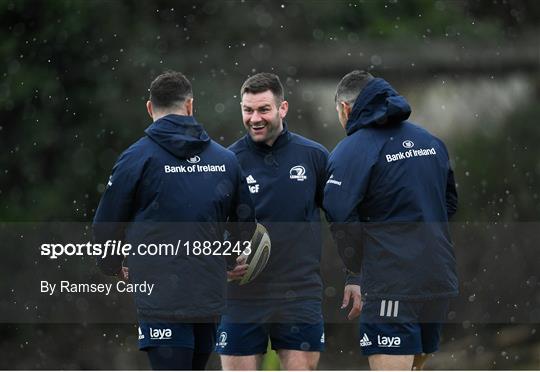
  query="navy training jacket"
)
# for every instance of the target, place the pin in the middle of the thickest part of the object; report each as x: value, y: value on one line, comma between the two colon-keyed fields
x: 175, y: 184
x: 388, y: 198
x: 286, y: 181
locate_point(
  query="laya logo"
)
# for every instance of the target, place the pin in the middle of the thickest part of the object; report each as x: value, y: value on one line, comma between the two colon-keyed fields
x: 252, y: 184
x: 322, y: 338
x: 222, y: 340
x: 408, y: 144
x: 364, y: 341
x: 160, y: 334
x: 194, y: 159
x: 385, y: 341
x: 298, y: 173
x: 141, y: 336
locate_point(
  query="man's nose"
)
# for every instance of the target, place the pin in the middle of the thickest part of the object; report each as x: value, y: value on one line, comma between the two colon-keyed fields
x: 255, y: 117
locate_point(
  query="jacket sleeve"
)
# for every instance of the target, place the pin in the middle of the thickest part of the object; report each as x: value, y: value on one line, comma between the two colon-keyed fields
x: 349, y: 172
x: 348, y: 179
x: 451, y: 194
x: 352, y: 278
x: 451, y: 190
x: 115, y: 209
x: 322, y: 164
x: 241, y: 222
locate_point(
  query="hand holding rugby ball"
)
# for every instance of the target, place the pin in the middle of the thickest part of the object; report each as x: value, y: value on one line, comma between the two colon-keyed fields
x: 258, y: 257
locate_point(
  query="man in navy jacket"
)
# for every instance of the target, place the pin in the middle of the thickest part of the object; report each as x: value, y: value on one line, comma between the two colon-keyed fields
x: 175, y: 184
x: 285, y: 173
x: 388, y: 198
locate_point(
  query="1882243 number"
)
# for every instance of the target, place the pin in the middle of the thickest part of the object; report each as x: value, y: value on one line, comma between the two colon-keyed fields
x: 217, y: 248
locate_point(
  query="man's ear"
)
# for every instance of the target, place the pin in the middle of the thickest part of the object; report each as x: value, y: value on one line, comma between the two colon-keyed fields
x: 189, y: 107
x: 283, y: 109
x: 150, y: 109
x: 346, y: 109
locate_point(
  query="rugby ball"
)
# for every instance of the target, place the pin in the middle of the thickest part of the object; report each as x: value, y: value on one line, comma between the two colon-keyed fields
x: 260, y: 252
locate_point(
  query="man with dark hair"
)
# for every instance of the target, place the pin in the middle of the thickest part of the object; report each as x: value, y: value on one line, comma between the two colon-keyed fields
x: 175, y: 185
x: 285, y: 174
x: 170, y: 90
x: 262, y: 82
x: 388, y: 198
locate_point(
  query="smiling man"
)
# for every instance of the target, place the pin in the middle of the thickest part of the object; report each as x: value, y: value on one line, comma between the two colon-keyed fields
x: 285, y: 174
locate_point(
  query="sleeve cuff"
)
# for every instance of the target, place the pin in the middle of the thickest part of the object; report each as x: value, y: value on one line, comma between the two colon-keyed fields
x: 352, y: 278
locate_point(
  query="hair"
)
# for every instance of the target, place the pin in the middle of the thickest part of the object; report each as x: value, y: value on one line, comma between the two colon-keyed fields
x: 170, y: 90
x: 262, y: 82
x: 351, y: 85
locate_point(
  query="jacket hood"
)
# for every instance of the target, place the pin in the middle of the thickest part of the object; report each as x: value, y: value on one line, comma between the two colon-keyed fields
x: 180, y: 135
x: 378, y: 104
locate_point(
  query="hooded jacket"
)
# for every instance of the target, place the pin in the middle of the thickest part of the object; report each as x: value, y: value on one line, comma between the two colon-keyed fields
x: 388, y: 198
x: 175, y: 184
x: 286, y: 181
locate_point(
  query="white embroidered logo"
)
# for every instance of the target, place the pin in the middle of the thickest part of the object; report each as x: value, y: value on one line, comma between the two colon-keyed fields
x: 252, y: 184
x: 222, y: 340
x: 194, y: 159
x: 298, y: 173
x: 365, y: 341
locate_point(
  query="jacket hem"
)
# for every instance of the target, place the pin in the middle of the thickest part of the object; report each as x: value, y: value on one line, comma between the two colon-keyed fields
x: 412, y: 298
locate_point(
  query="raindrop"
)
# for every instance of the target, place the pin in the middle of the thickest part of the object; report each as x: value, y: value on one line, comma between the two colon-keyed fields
x: 219, y: 108
x: 376, y: 60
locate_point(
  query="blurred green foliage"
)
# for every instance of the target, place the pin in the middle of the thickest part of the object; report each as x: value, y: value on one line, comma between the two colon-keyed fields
x: 499, y: 172
x: 76, y: 73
